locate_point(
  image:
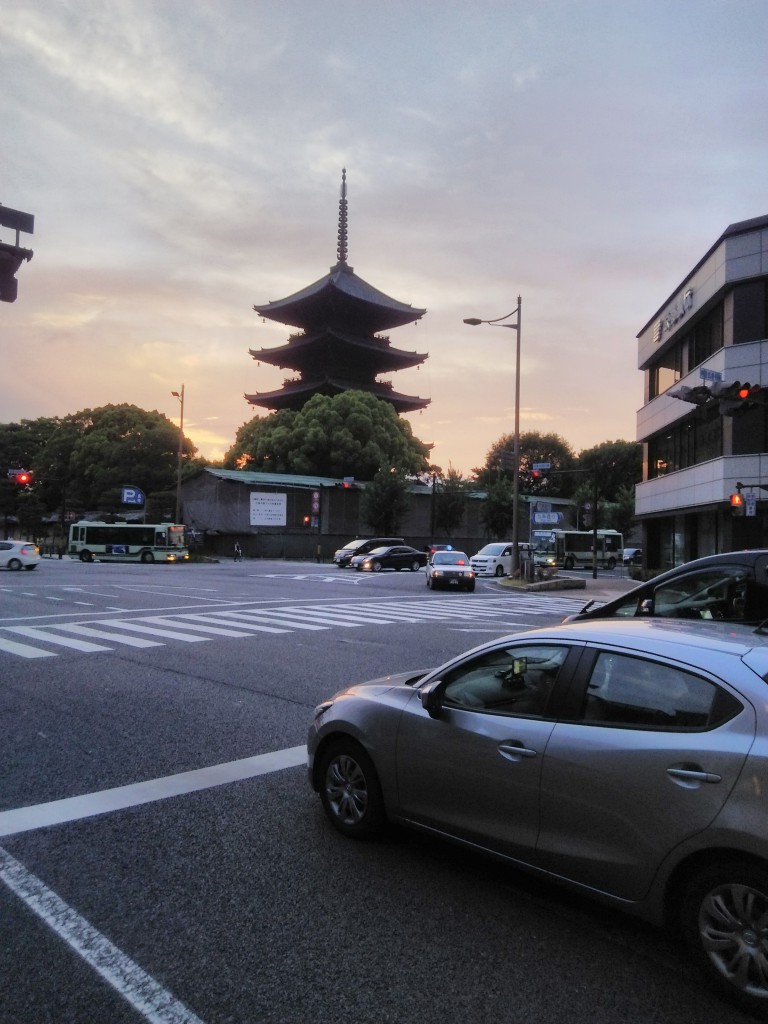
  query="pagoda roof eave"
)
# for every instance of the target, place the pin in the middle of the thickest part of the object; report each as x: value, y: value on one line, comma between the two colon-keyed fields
x: 293, y: 354
x: 291, y: 395
x: 307, y: 305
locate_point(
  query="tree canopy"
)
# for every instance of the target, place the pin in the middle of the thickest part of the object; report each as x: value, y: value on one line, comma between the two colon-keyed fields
x: 534, y: 447
x: 81, y: 461
x: 352, y: 434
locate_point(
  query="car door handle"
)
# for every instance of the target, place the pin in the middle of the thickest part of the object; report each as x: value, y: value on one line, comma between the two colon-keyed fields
x: 693, y: 775
x: 515, y: 751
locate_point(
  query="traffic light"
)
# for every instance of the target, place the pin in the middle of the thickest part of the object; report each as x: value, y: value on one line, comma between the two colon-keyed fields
x: 12, y: 256
x: 737, y: 504
x: 21, y: 477
x: 699, y: 395
x: 733, y: 397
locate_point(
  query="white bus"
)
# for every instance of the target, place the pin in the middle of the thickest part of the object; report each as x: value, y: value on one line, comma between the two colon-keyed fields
x: 573, y: 549
x: 127, y: 542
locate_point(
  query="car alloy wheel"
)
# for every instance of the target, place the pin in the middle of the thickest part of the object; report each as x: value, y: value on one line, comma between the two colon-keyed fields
x: 376, y: 566
x: 350, y: 790
x: 14, y: 564
x: 724, y: 915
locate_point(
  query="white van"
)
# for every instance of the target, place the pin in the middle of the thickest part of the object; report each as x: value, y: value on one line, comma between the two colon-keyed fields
x: 496, y: 559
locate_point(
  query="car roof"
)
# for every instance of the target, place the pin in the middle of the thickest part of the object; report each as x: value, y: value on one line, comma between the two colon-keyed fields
x: 647, y: 633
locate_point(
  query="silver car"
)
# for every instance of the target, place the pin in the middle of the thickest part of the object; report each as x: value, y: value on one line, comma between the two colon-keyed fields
x: 628, y: 759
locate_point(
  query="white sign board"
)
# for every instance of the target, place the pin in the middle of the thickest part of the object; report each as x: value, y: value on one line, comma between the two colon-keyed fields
x: 750, y: 504
x: 549, y: 518
x: 268, y: 509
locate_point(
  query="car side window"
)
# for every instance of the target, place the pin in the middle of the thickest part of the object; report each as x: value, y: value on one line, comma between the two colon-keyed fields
x: 638, y: 693
x: 710, y: 594
x: 508, y: 680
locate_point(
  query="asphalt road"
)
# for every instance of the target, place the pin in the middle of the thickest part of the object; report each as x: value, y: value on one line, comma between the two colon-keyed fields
x: 163, y: 859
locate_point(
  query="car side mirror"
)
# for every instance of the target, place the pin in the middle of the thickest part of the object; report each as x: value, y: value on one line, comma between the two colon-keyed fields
x: 429, y: 696
x: 646, y: 606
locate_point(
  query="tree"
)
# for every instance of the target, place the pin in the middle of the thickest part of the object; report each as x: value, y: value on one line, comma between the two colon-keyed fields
x: 449, y: 501
x: 352, y: 434
x: 497, y: 513
x: 82, y: 460
x: 385, y: 502
x: 534, y: 447
x: 618, y: 464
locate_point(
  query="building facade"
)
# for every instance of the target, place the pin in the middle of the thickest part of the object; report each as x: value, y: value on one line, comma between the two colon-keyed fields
x: 712, y: 331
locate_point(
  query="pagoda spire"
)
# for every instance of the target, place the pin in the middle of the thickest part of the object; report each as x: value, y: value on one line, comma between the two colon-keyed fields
x: 341, y: 247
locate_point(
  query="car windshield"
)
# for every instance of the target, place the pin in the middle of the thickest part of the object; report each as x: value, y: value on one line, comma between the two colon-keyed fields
x: 491, y: 549
x: 377, y: 551
x: 449, y: 558
x: 353, y: 545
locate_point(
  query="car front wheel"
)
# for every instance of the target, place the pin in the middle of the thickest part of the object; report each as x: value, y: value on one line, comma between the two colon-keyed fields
x: 724, y: 916
x: 350, y: 791
x: 499, y: 570
x: 415, y: 565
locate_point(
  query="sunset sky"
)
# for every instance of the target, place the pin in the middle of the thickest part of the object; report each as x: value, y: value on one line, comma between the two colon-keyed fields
x: 182, y: 159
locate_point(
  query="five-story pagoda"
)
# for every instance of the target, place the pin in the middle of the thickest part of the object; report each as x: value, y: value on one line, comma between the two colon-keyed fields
x: 339, y: 348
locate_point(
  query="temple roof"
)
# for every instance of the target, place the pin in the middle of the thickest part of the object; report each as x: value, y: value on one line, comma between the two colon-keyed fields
x: 340, y: 299
x: 333, y: 347
x: 295, y: 394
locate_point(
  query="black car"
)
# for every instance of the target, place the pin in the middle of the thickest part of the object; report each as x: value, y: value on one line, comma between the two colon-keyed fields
x: 397, y: 556
x: 731, y: 586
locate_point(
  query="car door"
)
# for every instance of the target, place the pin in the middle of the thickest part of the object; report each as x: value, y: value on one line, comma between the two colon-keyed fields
x: 471, y: 765
x: 649, y: 761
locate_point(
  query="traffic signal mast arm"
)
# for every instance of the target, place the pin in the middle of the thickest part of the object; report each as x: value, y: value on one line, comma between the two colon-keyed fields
x: 734, y: 397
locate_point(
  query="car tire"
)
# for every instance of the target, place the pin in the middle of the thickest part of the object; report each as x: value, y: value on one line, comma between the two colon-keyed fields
x: 415, y: 566
x: 724, y: 919
x: 86, y: 556
x: 376, y: 566
x: 14, y: 564
x: 499, y: 570
x: 471, y: 588
x: 147, y: 557
x: 30, y: 567
x: 611, y: 563
x: 350, y: 790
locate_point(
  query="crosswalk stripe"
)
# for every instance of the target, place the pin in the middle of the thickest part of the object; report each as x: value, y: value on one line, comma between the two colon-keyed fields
x: 500, y: 614
x: 207, y: 626
x: 101, y: 634
x: 187, y: 638
x: 62, y: 641
x: 23, y: 650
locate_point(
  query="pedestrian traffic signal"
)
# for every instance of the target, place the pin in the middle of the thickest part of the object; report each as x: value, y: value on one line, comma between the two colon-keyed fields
x: 737, y: 503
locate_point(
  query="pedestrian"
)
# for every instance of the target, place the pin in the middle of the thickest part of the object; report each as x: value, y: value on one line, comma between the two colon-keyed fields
x: 238, y: 552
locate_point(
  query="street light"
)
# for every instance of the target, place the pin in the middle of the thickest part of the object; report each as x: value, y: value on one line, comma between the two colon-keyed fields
x: 474, y: 322
x: 180, y: 396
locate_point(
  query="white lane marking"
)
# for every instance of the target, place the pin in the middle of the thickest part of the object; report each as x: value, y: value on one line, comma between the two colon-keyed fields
x: 56, y: 812
x: 245, y: 621
x: 155, y: 1003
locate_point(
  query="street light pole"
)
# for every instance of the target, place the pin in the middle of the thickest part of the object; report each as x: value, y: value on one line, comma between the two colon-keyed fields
x: 474, y: 321
x: 180, y: 396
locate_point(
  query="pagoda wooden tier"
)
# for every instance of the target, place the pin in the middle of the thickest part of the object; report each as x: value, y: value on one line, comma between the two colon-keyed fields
x: 339, y: 349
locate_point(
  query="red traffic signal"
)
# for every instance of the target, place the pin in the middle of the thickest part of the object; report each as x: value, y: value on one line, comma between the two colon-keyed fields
x: 737, y: 503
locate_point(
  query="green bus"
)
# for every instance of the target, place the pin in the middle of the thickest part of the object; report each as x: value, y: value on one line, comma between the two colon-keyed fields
x: 127, y: 542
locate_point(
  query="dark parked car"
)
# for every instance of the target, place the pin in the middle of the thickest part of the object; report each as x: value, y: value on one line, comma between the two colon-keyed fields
x: 732, y: 586
x: 398, y: 556
x: 627, y: 759
x: 361, y: 546
x: 450, y: 569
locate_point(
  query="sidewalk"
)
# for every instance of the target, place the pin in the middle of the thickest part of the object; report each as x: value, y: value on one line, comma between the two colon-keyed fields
x: 604, y: 588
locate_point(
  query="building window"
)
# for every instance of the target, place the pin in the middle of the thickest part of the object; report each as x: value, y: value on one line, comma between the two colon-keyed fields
x: 750, y: 312
x: 693, y: 347
x: 697, y: 438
